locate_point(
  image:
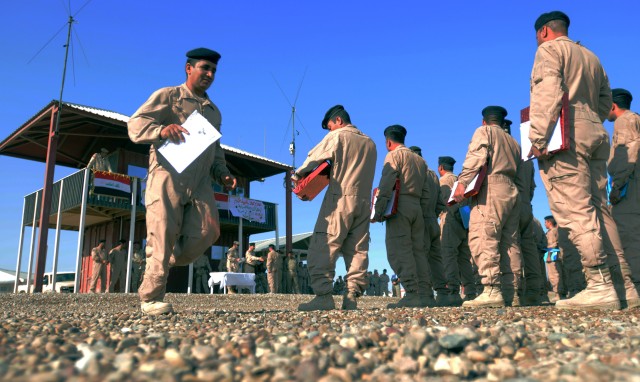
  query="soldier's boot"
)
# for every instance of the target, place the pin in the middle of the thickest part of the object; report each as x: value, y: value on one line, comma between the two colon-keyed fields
x: 491, y: 297
x: 410, y: 300
x: 322, y: 302
x: 442, y: 297
x: 349, y: 301
x: 469, y: 297
x: 531, y: 298
x: 155, y: 308
x: 600, y: 293
x: 452, y: 298
x: 427, y: 300
x: 631, y: 293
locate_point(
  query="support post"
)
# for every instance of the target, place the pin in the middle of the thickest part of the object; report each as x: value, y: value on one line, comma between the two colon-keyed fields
x: 56, y: 246
x: 20, y: 243
x: 33, y: 241
x: 132, y: 232
x: 289, y: 207
x: 83, y: 216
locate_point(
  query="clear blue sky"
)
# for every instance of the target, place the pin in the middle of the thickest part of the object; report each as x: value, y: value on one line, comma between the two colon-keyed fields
x: 429, y: 67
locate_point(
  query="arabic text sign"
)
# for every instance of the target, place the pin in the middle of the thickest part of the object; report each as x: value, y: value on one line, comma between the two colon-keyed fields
x: 252, y: 210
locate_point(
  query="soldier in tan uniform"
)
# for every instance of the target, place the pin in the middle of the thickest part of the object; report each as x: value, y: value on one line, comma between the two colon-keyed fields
x: 137, y: 267
x: 182, y: 218
x: 202, y: 269
x: 456, y: 255
x: 493, y: 225
x: 554, y: 266
x: 432, y: 206
x: 99, y: 161
x: 343, y: 222
x: 405, y: 231
x: 100, y: 261
x: 118, y: 261
x: 233, y: 258
x: 251, y: 260
x: 622, y: 168
x: 292, y: 274
x: 575, y: 179
x: 534, y: 282
x: 273, y: 276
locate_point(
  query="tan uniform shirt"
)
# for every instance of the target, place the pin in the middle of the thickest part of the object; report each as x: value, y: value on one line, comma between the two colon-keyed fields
x: 99, y: 163
x: 232, y: 259
x: 563, y: 65
x: 409, y: 168
x: 99, y: 255
x: 624, y: 160
x: 525, y: 182
x: 504, y: 152
x: 348, y: 177
x: 552, y: 238
x: 251, y: 258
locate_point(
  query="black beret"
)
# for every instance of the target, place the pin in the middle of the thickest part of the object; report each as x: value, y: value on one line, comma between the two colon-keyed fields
x: 330, y: 114
x: 204, y: 54
x: 395, y: 129
x: 252, y: 244
x: 550, y: 16
x: 506, y: 126
x: 446, y: 160
x: 621, y: 95
x: 497, y: 111
x: 416, y: 150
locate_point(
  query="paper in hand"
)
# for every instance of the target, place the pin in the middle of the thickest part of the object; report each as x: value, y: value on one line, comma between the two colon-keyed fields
x: 202, y: 134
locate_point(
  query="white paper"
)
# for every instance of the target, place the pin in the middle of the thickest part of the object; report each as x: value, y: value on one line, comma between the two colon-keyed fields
x: 555, y: 143
x: 469, y: 188
x: 201, y: 135
x: 453, y: 191
x: 388, y: 210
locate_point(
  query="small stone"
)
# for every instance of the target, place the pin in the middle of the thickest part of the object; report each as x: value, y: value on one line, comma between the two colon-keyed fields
x: 174, y: 358
x: 202, y: 353
x: 502, y: 369
x: 478, y: 356
x: 453, y: 342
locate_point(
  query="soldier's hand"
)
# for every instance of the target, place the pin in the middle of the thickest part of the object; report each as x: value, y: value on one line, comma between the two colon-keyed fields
x: 458, y: 196
x: 614, y: 196
x: 230, y: 181
x: 541, y: 154
x: 174, y: 133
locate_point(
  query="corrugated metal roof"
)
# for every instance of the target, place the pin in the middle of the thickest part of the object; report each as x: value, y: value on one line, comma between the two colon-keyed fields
x: 262, y: 245
x: 125, y: 119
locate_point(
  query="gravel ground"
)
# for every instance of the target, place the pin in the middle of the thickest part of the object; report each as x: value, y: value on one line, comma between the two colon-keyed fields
x: 50, y: 337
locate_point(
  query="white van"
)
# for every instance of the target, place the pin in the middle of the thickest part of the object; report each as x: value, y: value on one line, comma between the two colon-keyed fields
x: 65, y: 282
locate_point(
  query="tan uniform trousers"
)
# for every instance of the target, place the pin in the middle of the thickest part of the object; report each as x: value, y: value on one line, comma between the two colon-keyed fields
x: 576, y: 181
x: 433, y: 248
x: 99, y: 271
x: 181, y: 224
x: 554, y: 274
x: 573, y: 280
x: 493, y: 233
x: 347, y: 219
x: 274, y: 281
x: 405, y: 246
x: 629, y: 227
x: 456, y: 255
x: 533, y: 276
x: 118, y: 273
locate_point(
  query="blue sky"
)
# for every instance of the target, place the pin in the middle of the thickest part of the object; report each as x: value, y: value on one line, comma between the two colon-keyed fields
x: 430, y: 67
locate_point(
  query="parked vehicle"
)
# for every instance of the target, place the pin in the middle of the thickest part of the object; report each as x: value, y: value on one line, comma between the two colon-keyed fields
x: 65, y: 282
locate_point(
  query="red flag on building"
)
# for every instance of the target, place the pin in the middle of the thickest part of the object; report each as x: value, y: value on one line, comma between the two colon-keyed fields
x: 111, y: 184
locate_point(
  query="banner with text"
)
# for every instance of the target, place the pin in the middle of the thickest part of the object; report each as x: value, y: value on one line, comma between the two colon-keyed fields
x: 252, y: 210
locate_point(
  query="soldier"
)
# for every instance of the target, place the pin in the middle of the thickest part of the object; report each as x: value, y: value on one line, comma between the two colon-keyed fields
x: 99, y: 161
x: 292, y: 273
x: 622, y: 168
x: 262, y: 285
x: 369, y: 289
x: 541, y: 244
x: 493, y: 224
x: 432, y: 206
x: 139, y: 261
x: 272, y: 269
x: 302, y: 278
x: 576, y: 179
x: 526, y: 185
x: 202, y: 268
x: 251, y: 260
x: 343, y: 222
x: 572, y: 274
x: 118, y: 260
x: 100, y: 261
x: 375, y: 283
x: 395, y: 286
x: 233, y: 263
x: 456, y: 255
x: 384, y: 284
x: 405, y: 231
x: 553, y: 263
x: 181, y: 213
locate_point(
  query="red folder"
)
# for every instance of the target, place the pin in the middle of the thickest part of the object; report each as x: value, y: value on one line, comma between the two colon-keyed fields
x: 474, y: 187
x: 563, y: 123
x: 311, y: 185
x: 392, y: 206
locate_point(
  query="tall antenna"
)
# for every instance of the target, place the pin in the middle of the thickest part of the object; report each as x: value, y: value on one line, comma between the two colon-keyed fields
x: 294, y: 132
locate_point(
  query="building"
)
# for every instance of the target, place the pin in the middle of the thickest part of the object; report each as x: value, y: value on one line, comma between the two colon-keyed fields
x: 83, y: 131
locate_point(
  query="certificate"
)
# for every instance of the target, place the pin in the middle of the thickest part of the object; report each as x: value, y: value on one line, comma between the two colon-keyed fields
x: 202, y: 134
